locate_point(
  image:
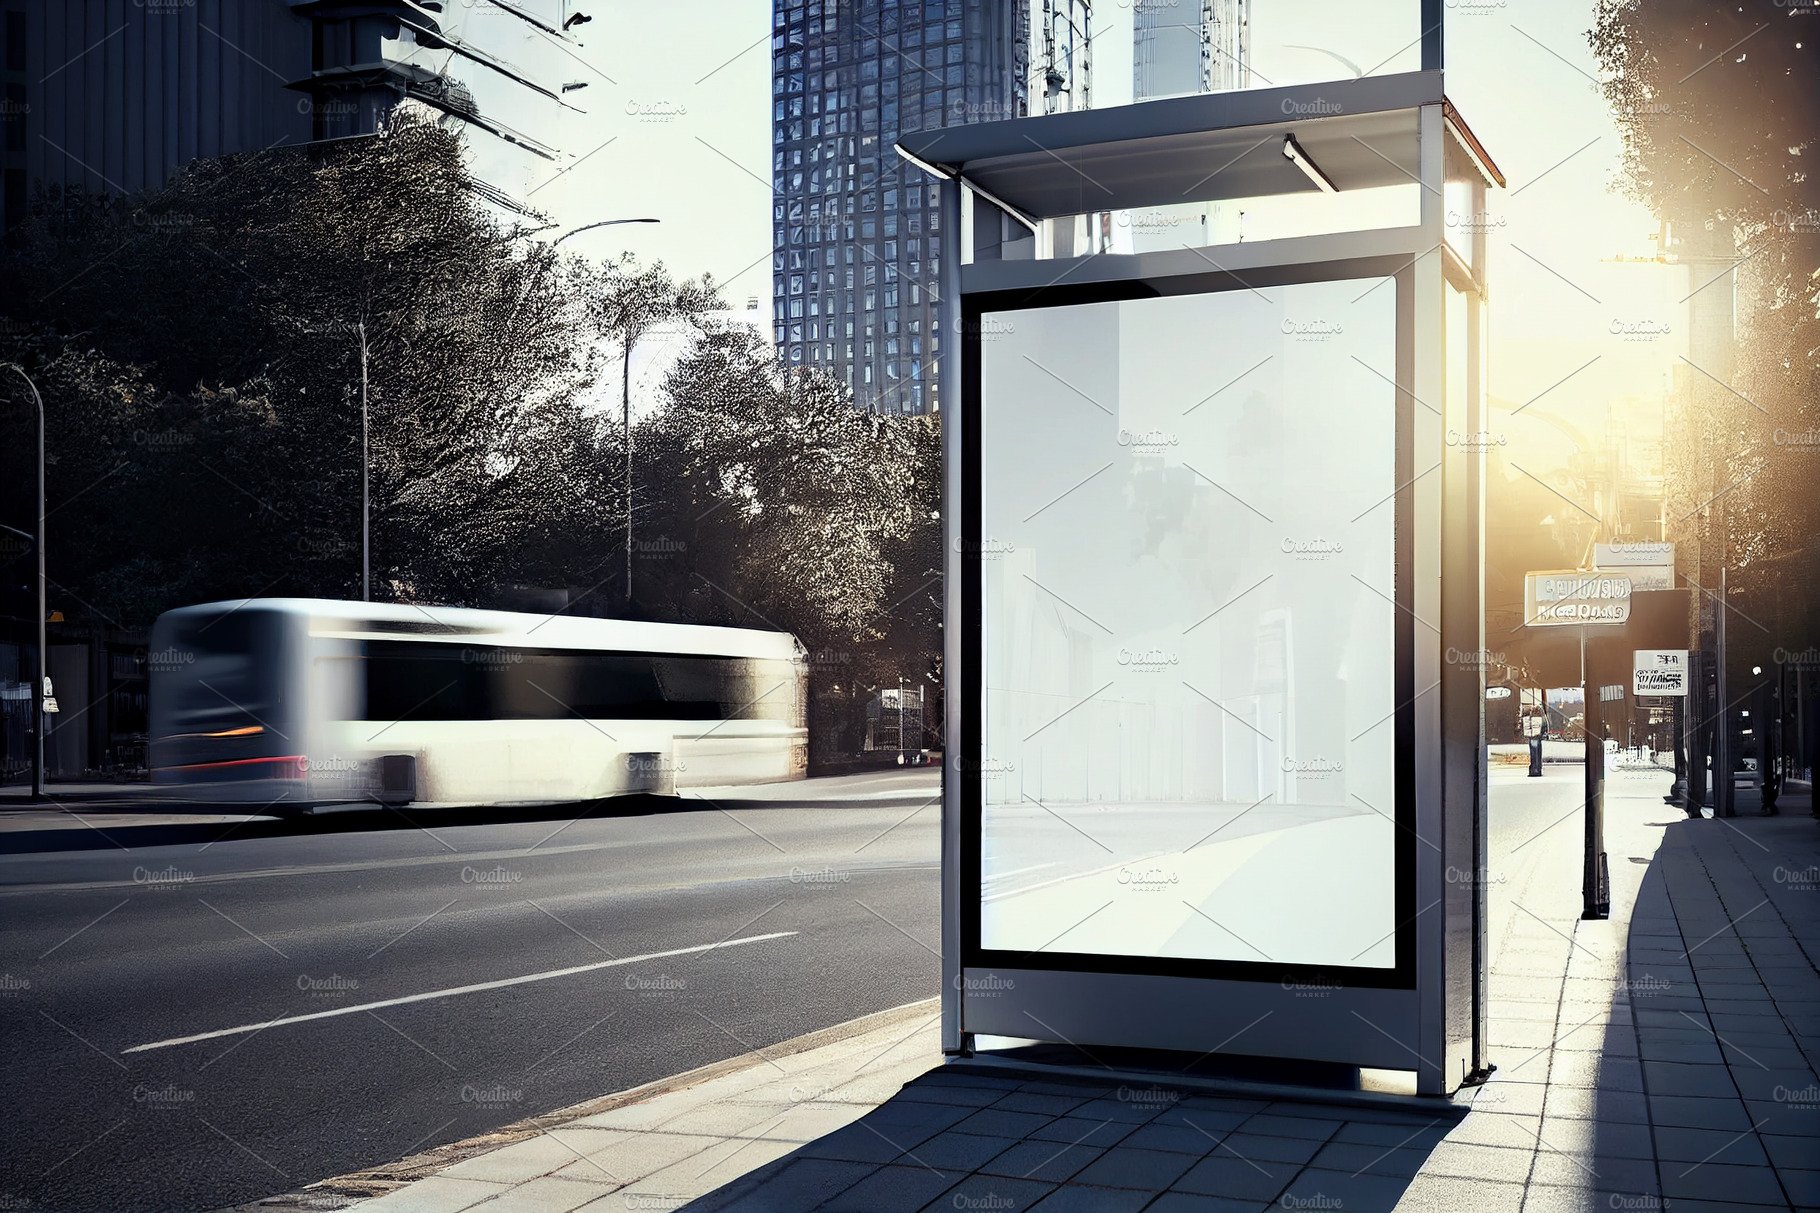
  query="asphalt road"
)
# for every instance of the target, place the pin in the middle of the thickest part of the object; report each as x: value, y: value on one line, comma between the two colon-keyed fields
x: 781, y: 915
x: 190, y: 1024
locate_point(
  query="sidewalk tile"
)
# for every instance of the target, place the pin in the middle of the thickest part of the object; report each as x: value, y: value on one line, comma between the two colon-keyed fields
x: 1719, y: 1181
x: 1803, y: 1186
x: 1276, y: 1125
x: 1603, y: 1138
x: 549, y: 1195
x: 1242, y: 1179
x: 924, y: 1092
x: 1619, y: 1174
x: 1653, y: 1047
x: 991, y: 1122
x: 1497, y: 1129
x: 803, y: 1183
x: 1317, y: 1189
x: 515, y: 1163
x: 1047, y: 1105
x: 1246, y: 1144
x: 806, y: 1122
x: 437, y: 1194
x: 635, y: 1157
x: 1790, y: 1153
x: 1078, y: 1198
x: 1125, y: 1167
x: 855, y: 1143
x: 1742, y: 1053
x: 1079, y: 1130
x: 1177, y: 1139
x: 1543, y: 1198
x: 1118, y: 1109
x: 1595, y: 1070
x: 1083, y: 1089
x: 1694, y: 1112
x: 996, y: 1193
x: 711, y: 1169
x: 894, y: 1188
x: 1440, y: 1194
x: 1044, y: 1161
x: 1372, y: 1160
x: 1787, y: 1119
x: 1683, y: 1078
x: 1680, y: 1148
x: 1203, y: 1118
x: 961, y: 1152
x: 1480, y: 1162
x: 1189, y: 1202
x: 1749, y: 1008
x: 919, y: 1121
x: 1506, y: 1095
x: 1391, y: 1135
x: 727, y: 1119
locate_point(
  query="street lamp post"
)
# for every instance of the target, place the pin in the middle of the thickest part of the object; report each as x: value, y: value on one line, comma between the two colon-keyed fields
x: 37, y: 697
x: 588, y: 227
x: 366, y: 475
x: 625, y: 400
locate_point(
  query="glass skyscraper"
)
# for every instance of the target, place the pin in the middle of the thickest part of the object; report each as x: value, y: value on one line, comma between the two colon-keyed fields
x: 855, y: 228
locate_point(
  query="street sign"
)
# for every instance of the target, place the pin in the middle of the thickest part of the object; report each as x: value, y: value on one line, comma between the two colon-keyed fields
x: 1497, y: 692
x: 50, y: 704
x: 1660, y: 672
x: 1611, y: 692
x: 1532, y: 725
x: 1569, y: 596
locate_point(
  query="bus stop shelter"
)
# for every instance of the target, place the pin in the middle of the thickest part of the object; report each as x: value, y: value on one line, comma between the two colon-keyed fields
x: 1214, y: 421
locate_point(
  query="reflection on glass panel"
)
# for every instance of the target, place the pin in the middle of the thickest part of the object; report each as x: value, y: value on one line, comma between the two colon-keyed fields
x: 1248, y: 220
x: 1155, y: 49
x: 1187, y: 553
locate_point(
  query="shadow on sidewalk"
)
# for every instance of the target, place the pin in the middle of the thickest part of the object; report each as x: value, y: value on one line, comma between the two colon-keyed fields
x: 974, y: 1139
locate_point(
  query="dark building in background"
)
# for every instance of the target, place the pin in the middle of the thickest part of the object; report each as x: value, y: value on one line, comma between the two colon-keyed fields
x: 110, y: 97
x: 855, y: 229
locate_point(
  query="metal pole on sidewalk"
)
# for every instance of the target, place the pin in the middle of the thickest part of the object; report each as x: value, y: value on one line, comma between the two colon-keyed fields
x: 366, y: 471
x: 1595, y: 901
x: 1722, y: 742
x: 38, y: 691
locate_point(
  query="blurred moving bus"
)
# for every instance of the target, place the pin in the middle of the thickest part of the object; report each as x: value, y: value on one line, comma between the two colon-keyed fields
x: 290, y: 703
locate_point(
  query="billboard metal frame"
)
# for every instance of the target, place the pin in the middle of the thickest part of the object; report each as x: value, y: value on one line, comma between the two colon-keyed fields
x: 1425, y: 1014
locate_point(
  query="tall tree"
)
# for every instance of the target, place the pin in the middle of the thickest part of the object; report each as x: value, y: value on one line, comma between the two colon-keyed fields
x: 218, y: 323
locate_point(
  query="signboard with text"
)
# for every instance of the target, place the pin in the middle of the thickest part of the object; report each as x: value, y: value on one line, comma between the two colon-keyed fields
x: 1570, y: 596
x: 1660, y: 672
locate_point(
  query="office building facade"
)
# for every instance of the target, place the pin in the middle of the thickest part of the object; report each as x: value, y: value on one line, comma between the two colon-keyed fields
x: 856, y: 230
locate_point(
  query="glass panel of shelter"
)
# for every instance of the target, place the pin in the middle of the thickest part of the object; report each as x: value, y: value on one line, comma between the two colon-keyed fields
x: 1189, y: 623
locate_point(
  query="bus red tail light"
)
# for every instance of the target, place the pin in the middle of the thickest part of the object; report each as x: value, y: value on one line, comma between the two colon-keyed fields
x: 287, y: 766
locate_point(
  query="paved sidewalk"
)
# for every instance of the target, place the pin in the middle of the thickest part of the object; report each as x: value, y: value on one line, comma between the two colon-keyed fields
x: 1664, y: 1058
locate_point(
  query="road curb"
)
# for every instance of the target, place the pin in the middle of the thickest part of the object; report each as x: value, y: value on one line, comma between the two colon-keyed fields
x: 345, y: 1190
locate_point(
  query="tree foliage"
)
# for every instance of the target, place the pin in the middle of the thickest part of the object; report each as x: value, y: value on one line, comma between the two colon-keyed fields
x: 201, y: 349
x: 1719, y: 106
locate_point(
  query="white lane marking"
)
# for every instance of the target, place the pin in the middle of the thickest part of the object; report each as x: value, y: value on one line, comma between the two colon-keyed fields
x: 454, y: 990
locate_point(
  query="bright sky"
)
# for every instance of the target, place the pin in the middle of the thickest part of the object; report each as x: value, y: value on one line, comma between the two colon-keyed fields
x: 679, y: 118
